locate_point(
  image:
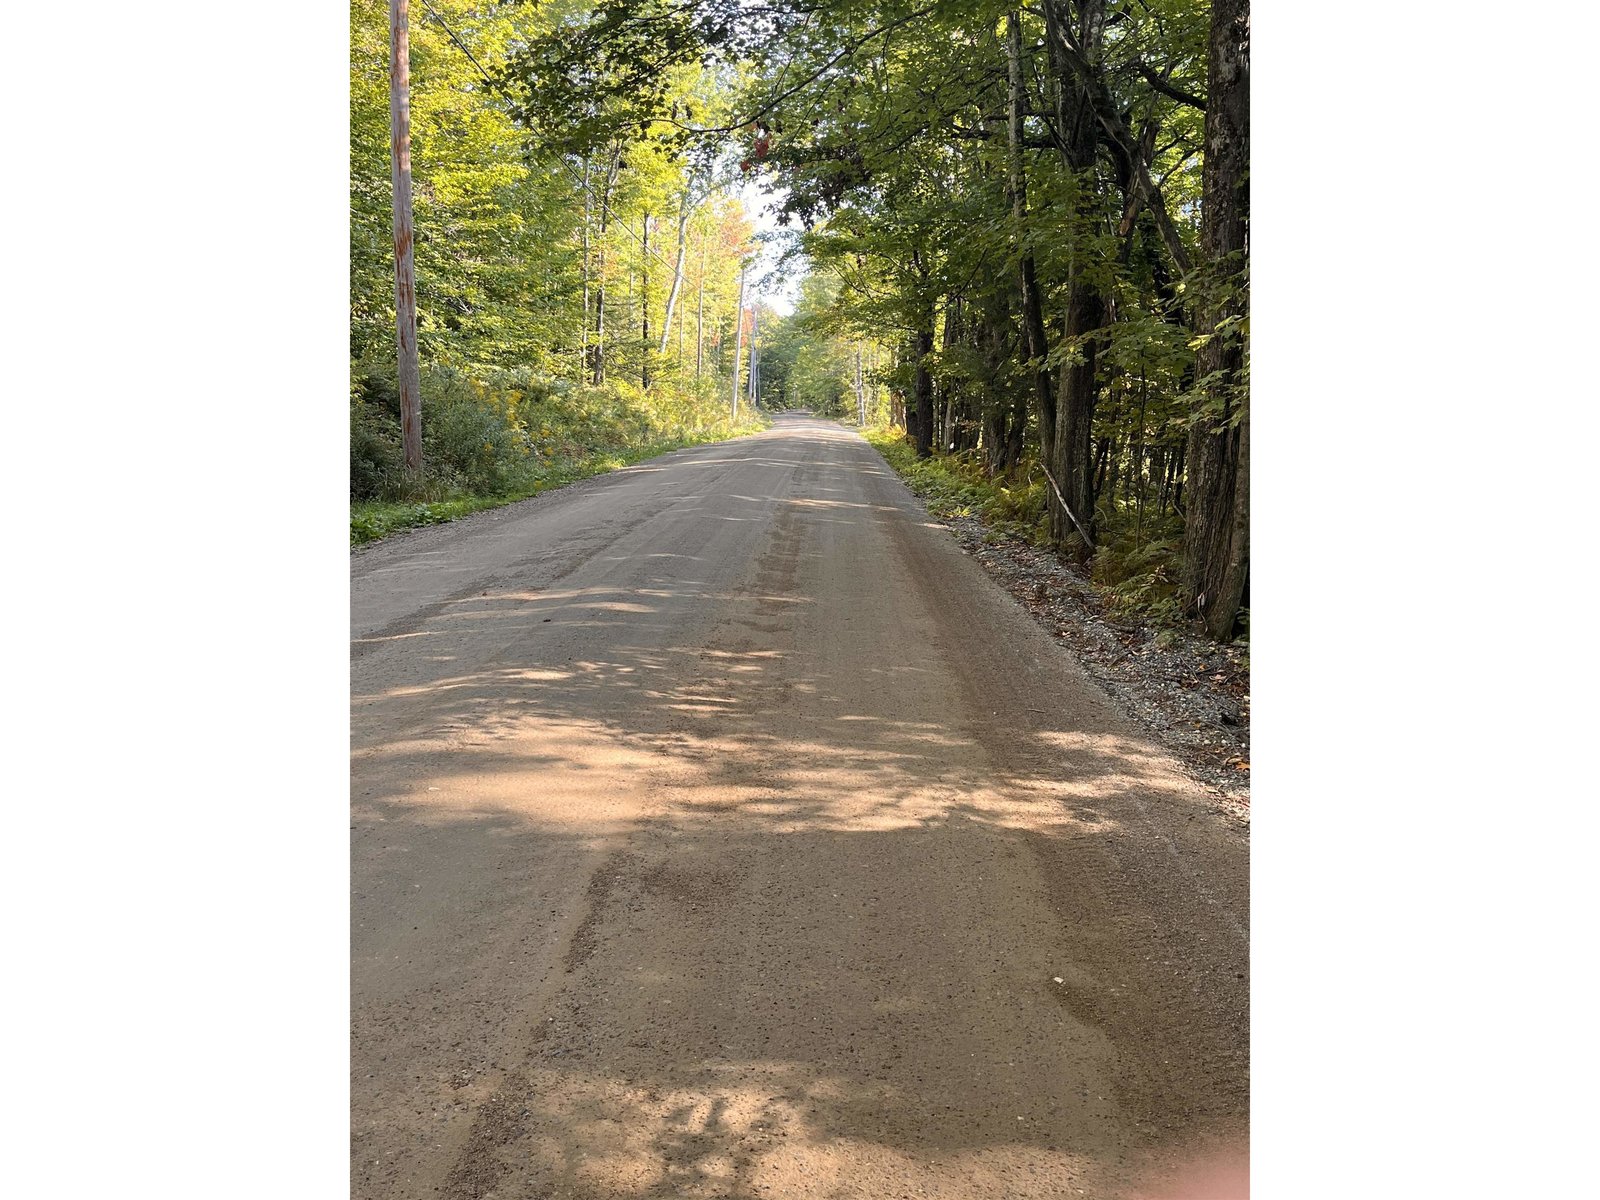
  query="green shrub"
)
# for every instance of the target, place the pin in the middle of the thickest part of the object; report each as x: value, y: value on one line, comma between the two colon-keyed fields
x: 1137, y: 567
x: 377, y: 464
x: 471, y: 444
x: 1141, y: 576
x: 500, y: 435
x: 957, y: 486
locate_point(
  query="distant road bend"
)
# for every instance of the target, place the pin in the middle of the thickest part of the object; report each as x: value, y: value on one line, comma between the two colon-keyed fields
x: 721, y: 830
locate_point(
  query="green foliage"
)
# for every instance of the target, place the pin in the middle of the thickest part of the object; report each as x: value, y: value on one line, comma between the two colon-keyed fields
x: 956, y: 486
x: 509, y: 435
x: 497, y: 265
x: 587, y: 130
x: 1137, y: 567
x: 520, y: 225
x: 1141, y: 576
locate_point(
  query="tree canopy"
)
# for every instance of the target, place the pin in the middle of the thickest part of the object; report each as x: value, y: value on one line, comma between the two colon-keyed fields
x: 1025, y: 226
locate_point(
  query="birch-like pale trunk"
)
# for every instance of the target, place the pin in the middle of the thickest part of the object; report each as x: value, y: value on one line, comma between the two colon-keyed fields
x: 677, y: 272
x: 700, y: 315
x: 755, y: 325
x: 583, y: 335
x: 738, y: 341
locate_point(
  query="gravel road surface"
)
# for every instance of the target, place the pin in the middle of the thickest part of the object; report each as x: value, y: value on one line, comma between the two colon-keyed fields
x: 720, y: 829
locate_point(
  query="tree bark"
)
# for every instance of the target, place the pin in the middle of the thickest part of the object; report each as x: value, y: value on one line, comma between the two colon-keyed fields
x: 644, y: 306
x: 1034, y: 340
x: 755, y: 357
x: 923, y: 390
x: 700, y: 315
x: 1217, y: 519
x: 598, y: 349
x: 861, y: 391
x: 1075, y: 410
x: 952, y: 337
x: 738, y: 341
x: 583, y: 335
x: 405, y: 279
x: 677, y: 271
x: 1077, y: 126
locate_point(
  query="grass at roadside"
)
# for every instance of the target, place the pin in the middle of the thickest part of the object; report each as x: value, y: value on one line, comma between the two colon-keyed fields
x: 494, y: 437
x: 1136, y: 569
x: 374, y: 519
x: 955, y: 487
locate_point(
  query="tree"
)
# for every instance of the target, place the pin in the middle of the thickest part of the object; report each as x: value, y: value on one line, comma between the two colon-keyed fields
x: 1217, y: 530
x: 1032, y: 220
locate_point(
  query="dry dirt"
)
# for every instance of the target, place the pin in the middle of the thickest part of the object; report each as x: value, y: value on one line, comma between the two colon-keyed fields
x: 721, y: 830
x: 1190, y: 693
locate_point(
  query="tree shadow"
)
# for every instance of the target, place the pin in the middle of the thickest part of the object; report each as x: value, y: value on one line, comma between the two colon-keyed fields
x: 876, y: 909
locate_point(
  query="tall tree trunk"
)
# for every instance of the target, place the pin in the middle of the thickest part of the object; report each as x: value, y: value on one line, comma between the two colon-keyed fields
x: 1017, y: 185
x: 598, y: 350
x: 952, y: 338
x: 677, y: 271
x: 1104, y: 470
x: 1136, y: 471
x: 1078, y: 128
x: 992, y: 317
x: 644, y: 306
x: 1217, y: 525
x: 700, y: 315
x: 861, y: 391
x: 923, y: 390
x: 738, y: 340
x: 1075, y: 414
x: 405, y: 280
x: 755, y: 355
x: 1158, y: 475
x: 583, y: 337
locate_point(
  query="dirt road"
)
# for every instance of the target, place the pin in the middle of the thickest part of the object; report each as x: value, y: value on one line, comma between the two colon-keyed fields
x: 721, y: 830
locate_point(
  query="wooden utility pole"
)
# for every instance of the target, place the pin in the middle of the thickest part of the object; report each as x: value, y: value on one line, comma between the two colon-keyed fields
x: 405, y: 276
x: 738, y: 340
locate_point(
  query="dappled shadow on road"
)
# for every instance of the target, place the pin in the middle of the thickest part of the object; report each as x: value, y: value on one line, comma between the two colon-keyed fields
x: 866, y: 923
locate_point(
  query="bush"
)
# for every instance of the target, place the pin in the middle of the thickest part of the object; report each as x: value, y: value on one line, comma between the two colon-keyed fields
x: 469, y: 442
x: 1137, y: 567
x: 505, y: 434
x: 377, y: 465
x: 1141, y: 576
x: 956, y: 485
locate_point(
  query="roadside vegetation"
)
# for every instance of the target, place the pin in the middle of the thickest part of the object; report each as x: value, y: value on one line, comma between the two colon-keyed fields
x: 580, y: 294
x: 1028, y: 235
x: 508, y: 435
x: 1137, y: 569
x: 1022, y: 237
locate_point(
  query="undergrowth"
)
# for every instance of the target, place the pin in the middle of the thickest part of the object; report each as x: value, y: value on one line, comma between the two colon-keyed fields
x: 495, y: 437
x: 1137, y: 567
x: 957, y: 486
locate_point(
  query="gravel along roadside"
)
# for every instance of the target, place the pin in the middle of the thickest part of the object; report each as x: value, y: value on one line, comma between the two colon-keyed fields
x: 1190, y: 693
